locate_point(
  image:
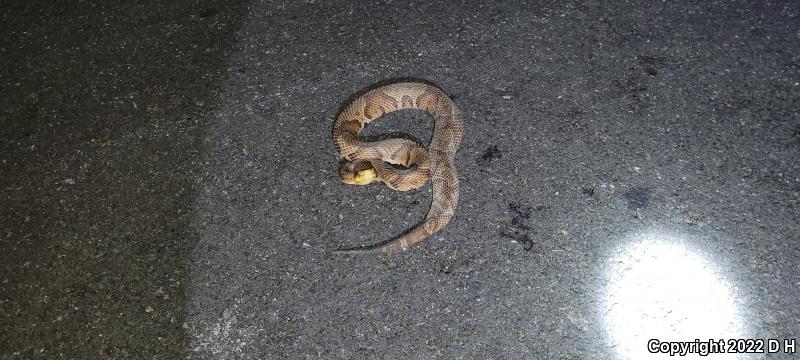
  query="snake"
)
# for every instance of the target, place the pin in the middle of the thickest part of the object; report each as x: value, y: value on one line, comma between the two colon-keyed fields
x: 402, y: 164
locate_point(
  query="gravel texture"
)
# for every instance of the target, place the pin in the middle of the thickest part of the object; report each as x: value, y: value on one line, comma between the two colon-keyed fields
x: 169, y: 186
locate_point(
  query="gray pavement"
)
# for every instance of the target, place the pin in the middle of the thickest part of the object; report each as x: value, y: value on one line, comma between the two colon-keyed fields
x: 630, y: 171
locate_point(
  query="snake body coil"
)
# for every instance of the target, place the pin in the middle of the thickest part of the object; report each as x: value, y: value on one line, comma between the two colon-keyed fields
x: 365, y: 162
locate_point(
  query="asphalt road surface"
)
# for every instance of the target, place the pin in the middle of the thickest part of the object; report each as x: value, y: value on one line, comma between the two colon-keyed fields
x: 630, y: 180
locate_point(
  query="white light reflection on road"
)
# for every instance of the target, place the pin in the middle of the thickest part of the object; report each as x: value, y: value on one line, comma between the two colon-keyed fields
x: 658, y: 288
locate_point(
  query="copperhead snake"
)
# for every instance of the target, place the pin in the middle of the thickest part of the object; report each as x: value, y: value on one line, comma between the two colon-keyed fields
x: 366, y: 162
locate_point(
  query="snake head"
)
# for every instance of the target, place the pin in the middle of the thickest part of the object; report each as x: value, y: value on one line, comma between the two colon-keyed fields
x: 358, y: 172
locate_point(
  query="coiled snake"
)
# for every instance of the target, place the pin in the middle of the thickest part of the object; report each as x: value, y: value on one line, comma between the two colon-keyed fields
x: 366, y: 162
